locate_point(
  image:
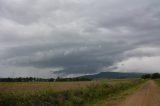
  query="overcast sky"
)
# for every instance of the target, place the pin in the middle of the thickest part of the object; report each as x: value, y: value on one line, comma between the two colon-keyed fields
x: 49, y: 38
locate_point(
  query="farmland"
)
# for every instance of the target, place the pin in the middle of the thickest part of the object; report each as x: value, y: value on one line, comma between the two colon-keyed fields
x: 38, y: 86
x: 56, y: 86
x: 62, y: 93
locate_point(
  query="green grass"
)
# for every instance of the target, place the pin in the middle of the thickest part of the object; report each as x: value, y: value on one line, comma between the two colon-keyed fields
x: 85, y: 96
x: 157, y: 81
x: 119, y: 96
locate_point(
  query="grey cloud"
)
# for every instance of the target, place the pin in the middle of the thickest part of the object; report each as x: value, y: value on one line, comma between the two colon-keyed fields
x: 80, y: 37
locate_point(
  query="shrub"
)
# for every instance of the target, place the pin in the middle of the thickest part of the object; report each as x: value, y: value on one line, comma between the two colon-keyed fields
x: 155, y: 75
x: 146, y: 76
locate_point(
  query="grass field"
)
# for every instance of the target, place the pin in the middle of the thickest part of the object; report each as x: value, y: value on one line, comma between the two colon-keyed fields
x: 61, y: 93
x: 57, y: 86
x: 31, y: 86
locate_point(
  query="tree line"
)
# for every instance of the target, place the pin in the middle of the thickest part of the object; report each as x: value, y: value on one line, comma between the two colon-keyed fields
x: 151, y: 76
x: 32, y: 79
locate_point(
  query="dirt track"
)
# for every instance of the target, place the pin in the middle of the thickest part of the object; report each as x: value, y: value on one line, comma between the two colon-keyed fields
x: 147, y: 95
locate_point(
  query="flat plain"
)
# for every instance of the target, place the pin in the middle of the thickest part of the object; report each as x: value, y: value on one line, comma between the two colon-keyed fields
x: 81, y: 93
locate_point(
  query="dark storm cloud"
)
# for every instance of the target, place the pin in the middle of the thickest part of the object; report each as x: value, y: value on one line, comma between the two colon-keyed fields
x: 77, y: 36
x: 67, y: 55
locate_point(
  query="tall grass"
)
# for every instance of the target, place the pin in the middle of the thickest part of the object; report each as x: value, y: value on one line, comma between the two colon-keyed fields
x: 77, y: 97
x: 157, y: 81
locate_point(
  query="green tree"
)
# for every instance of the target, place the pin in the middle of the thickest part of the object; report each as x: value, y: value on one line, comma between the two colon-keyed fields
x: 155, y: 75
x: 146, y: 76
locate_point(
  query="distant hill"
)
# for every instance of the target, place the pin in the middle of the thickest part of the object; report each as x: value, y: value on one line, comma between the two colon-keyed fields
x: 113, y: 75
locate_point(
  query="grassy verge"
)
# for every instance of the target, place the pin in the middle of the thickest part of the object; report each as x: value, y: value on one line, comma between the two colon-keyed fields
x: 79, y: 97
x: 157, y: 81
x: 119, y: 96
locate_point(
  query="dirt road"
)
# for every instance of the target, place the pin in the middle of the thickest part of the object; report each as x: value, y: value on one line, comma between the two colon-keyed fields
x: 147, y: 95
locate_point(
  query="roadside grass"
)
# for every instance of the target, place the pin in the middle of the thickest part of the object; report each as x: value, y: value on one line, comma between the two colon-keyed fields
x: 157, y: 82
x: 119, y: 96
x: 85, y: 96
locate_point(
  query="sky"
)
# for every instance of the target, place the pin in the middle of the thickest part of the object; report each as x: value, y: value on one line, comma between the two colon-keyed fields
x: 50, y: 38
